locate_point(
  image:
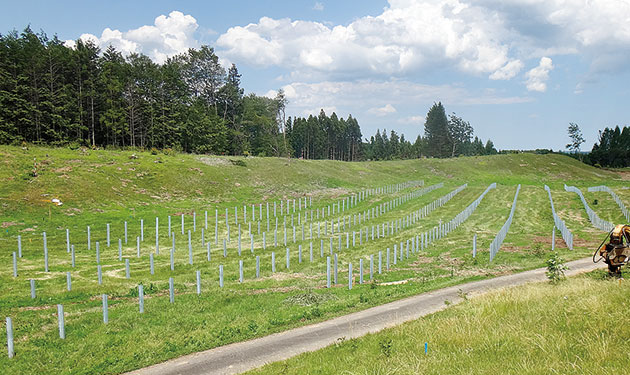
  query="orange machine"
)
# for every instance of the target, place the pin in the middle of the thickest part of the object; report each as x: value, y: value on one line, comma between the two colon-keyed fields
x: 616, y: 252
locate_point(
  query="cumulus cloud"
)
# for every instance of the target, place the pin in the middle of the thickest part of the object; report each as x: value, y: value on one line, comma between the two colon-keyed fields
x: 70, y: 43
x: 170, y: 35
x: 508, y: 71
x: 478, y: 37
x: 538, y: 76
x: 385, y: 110
x: 316, y: 110
x: 412, y: 120
x: 408, y: 35
x: 318, y: 6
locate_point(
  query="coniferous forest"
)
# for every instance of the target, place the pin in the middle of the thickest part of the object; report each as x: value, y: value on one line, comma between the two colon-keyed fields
x: 82, y: 96
x: 613, y: 148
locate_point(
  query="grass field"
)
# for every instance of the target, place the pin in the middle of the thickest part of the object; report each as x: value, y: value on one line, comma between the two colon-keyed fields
x: 101, y: 187
x: 574, y: 327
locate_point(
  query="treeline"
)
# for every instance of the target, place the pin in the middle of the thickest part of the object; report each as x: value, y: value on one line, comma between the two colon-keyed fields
x: 53, y: 94
x: 325, y: 137
x: 443, y: 137
x: 56, y: 95
x: 613, y: 148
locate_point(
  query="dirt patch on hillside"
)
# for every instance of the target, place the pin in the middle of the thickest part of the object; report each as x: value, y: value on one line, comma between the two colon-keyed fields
x: 499, y: 271
x: 333, y: 193
x: 196, y: 170
x: 446, y: 260
x: 35, y: 308
x: 281, y: 276
x: 208, y: 160
x: 284, y: 289
x: 395, y: 282
x: 421, y: 260
x: 72, y: 211
x: 512, y: 249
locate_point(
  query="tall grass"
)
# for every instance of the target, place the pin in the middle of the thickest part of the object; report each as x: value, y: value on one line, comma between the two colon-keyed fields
x: 578, y: 326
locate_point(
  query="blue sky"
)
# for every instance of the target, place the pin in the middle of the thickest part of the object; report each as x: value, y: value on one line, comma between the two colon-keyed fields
x: 519, y: 71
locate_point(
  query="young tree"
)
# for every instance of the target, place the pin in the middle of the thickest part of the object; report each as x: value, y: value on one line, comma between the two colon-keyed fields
x: 576, y: 137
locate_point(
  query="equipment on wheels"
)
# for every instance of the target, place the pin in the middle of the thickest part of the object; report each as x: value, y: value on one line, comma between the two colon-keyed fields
x: 616, y: 252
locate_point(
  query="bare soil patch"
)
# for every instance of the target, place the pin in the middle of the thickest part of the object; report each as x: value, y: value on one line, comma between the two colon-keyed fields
x: 208, y: 160
x: 7, y: 224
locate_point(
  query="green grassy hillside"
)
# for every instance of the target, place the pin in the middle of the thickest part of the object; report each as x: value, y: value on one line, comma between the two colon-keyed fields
x: 109, y: 187
x: 534, y: 329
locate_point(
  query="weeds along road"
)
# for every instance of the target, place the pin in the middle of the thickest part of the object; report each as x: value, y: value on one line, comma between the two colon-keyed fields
x: 240, y: 357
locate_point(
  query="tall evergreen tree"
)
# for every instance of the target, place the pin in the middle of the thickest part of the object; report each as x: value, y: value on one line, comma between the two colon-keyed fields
x: 113, y: 77
x: 436, y: 132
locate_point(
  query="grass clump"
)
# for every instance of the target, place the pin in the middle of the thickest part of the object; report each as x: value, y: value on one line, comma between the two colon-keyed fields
x: 309, y: 298
x: 532, y: 329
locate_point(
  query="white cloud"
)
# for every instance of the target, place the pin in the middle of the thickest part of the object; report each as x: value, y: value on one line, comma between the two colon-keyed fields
x: 508, y: 71
x: 170, y: 35
x: 316, y: 110
x: 364, y: 98
x: 538, y: 76
x: 405, y: 37
x: 490, y: 38
x: 385, y: 110
x: 413, y: 120
x: 318, y: 6
x: 89, y: 37
x: 271, y: 94
x: 360, y: 97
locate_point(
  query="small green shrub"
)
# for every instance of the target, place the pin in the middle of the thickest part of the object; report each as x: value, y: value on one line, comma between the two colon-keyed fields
x: 555, y: 268
x: 309, y: 298
x: 238, y: 163
x: 313, y: 313
x: 252, y: 326
x: 386, y: 346
x: 538, y: 249
x: 74, y: 145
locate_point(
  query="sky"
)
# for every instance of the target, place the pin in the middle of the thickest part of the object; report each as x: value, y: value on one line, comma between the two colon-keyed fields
x: 518, y: 71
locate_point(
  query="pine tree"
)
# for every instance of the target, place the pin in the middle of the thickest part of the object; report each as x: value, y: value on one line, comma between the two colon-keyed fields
x: 489, y: 149
x: 436, y: 132
x: 112, y: 78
